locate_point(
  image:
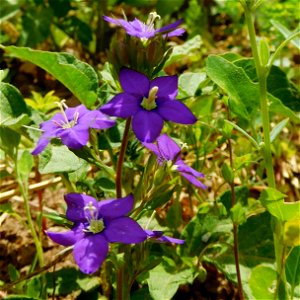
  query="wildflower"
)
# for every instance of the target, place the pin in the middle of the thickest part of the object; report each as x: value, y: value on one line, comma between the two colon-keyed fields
x: 149, y: 103
x: 72, y: 127
x: 167, y: 151
x: 146, y: 30
x: 96, y: 224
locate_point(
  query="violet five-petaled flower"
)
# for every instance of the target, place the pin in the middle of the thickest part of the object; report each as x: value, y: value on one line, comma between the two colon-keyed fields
x: 72, y: 127
x: 98, y: 223
x: 149, y: 102
x: 166, y: 150
x: 146, y: 30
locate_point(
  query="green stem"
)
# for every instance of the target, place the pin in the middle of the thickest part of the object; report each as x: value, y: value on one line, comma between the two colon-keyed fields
x: 235, y: 227
x: 23, y: 187
x: 24, y: 194
x: 262, y: 73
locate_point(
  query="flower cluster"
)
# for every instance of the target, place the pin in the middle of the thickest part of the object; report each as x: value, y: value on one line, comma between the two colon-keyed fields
x: 98, y: 223
x: 149, y: 102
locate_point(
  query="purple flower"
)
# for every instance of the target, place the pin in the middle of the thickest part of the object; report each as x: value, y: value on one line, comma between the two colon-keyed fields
x: 149, y: 102
x: 96, y: 224
x: 72, y: 127
x: 167, y: 151
x: 146, y: 30
x: 158, y: 236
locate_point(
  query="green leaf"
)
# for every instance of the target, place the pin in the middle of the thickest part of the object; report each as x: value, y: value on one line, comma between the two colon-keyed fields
x: 272, y: 199
x: 105, y: 184
x: 59, y: 159
x: 168, y: 7
x: 202, y: 230
x: 243, y: 93
x: 12, y: 106
x: 163, y: 284
x: 34, y: 287
x: 286, y: 33
x: 292, y: 268
x: 36, y: 22
x: 279, y: 87
x: 292, y: 233
x: 263, y: 282
x: 188, y: 83
x: 79, y: 77
x: 25, y: 164
x: 277, y: 129
x: 264, y: 51
x: 227, y: 173
x: 190, y: 49
x: 238, y: 214
x: 9, y: 141
x: 9, y: 8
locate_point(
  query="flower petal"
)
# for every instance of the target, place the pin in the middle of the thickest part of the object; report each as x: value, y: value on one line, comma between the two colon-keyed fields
x: 193, y: 180
x: 124, y: 230
x: 41, y: 145
x: 158, y: 235
x: 122, y: 105
x: 176, y: 32
x: 134, y: 82
x: 90, y: 252
x: 115, y: 208
x: 152, y: 147
x: 75, y: 137
x: 182, y: 167
x: 167, y: 147
x: 147, y: 125
x: 175, y: 111
x: 167, y: 87
x: 168, y: 239
x: 76, y: 203
x: 67, y: 238
x: 70, y: 112
x: 170, y: 27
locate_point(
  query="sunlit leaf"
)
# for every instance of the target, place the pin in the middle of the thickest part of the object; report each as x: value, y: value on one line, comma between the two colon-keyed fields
x: 263, y: 282
x: 272, y: 199
x: 79, y: 77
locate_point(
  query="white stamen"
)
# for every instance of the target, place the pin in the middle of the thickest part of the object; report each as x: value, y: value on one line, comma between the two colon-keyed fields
x: 151, y: 19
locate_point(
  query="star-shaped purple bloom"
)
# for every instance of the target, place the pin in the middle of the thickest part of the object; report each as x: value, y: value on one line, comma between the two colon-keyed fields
x: 96, y: 224
x: 146, y: 30
x: 72, y: 127
x: 149, y: 102
x: 166, y: 151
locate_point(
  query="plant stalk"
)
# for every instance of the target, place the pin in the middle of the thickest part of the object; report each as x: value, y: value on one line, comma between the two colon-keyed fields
x: 120, y: 270
x: 262, y: 73
x: 235, y: 229
x: 121, y: 159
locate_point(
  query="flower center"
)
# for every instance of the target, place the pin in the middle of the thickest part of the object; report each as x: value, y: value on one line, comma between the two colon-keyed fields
x: 66, y: 123
x: 149, y: 103
x: 95, y: 225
